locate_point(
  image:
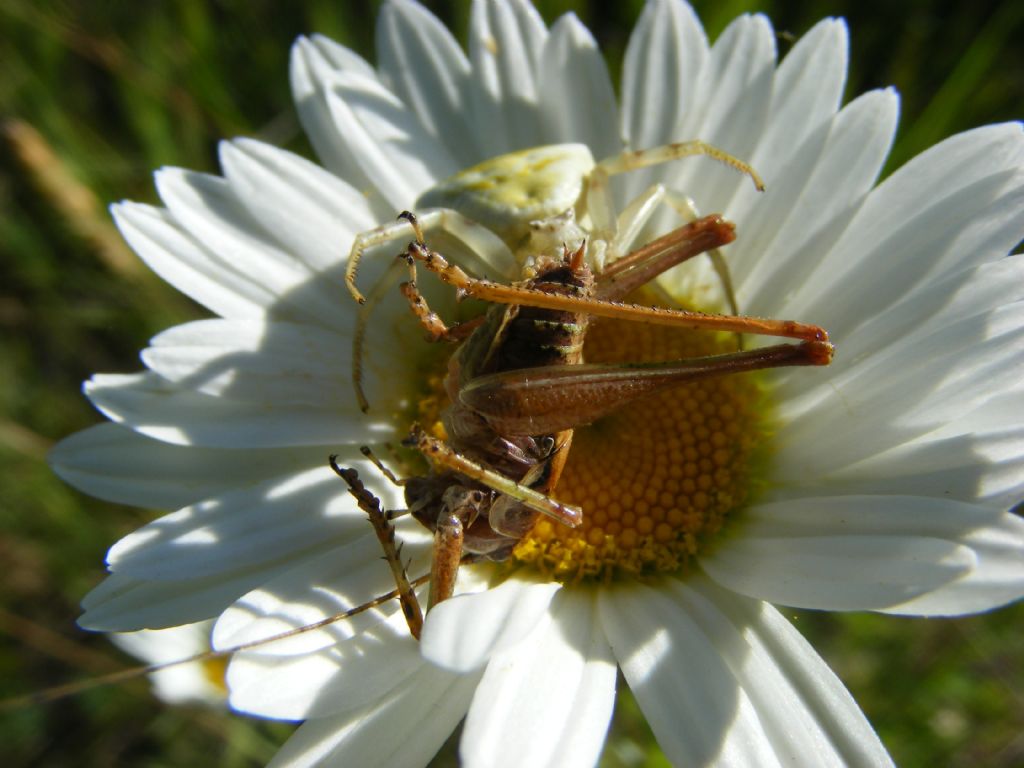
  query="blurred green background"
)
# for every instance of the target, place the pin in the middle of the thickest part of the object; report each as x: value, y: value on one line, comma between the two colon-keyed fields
x: 115, y: 90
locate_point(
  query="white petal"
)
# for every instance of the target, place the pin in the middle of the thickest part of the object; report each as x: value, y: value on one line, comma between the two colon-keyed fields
x: 663, y: 85
x: 188, y: 266
x: 125, y: 604
x: 462, y: 633
x: 690, y: 697
x: 968, y: 467
x: 281, y: 363
x: 289, y: 517
x: 505, y: 43
x: 803, y: 708
x: 113, y: 463
x: 400, y: 730
x: 547, y: 701
x: 806, y: 94
x: 907, y: 554
x: 425, y: 67
x: 661, y: 74
x: 576, y: 88
x: 977, y: 458
x: 314, y: 61
x: 311, y: 212
x: 327, y: 58
x: 207, y: 209
x: 159, y: 409
x: 904, y: 390
x: 954, y: 206
x: 739, y: 74
x: 398, y: 158
x: 997, y: 578
x: 808, y: 206
x: 160, y: 645
x: 927, y: 309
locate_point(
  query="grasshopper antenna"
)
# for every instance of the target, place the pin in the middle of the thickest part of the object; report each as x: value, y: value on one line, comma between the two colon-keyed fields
x: 79, y: 686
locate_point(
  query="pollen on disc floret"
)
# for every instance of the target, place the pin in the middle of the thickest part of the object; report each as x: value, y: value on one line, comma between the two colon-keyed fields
x: 659, y: 478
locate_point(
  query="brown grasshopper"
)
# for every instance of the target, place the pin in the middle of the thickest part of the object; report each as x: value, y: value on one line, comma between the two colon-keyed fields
x: 517, y: 384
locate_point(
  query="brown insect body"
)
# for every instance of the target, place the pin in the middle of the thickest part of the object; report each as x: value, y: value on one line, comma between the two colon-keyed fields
x: 511, y: 338
x: 518, y: 387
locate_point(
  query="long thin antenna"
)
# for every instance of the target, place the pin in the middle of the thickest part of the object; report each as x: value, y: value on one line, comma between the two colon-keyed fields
x: 70, y: 689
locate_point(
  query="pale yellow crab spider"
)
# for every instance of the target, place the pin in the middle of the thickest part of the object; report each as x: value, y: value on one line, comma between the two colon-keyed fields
x: 506, y: 207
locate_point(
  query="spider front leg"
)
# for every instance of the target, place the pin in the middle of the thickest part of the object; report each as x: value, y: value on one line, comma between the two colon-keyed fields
x: 598, y: 196
x: 479, y: 241
x: 639, y: 212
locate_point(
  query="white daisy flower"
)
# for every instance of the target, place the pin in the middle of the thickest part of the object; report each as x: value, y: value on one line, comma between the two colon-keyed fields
x: 880, y: 483
x: 200, y: 682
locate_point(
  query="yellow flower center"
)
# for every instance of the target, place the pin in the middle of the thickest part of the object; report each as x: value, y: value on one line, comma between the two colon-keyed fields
x: 659, y: 477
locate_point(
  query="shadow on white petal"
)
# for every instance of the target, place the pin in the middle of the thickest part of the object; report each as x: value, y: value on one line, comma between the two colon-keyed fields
x: 812, y: 200
x: 346, y: 676
x: 314, y: 61
x: 698, y: 711
x: 387, y: 140
x: 576, y: 86
x: 290, y: 383
x: 505, y: 44
x: 807, y: 92
x: 125, y: 604
x: 207, y: 208
x: 310, y: 211
x: 902, y: 392
x: 290, y: 516
x: 402, y: 729
x: 667, y: 53
x: 116, y: 464
x: 725, y: 680
x: 739, y: 73
x: 461, y: 634
x: 318, y: 592
x: 187, y: 265
x: 803, y: 709
x: 977, y: 459
x: 954, y: 206
x: 425, y: 67
x: 281, y: 363
x: 546, y: 701
x: 872, y: 553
